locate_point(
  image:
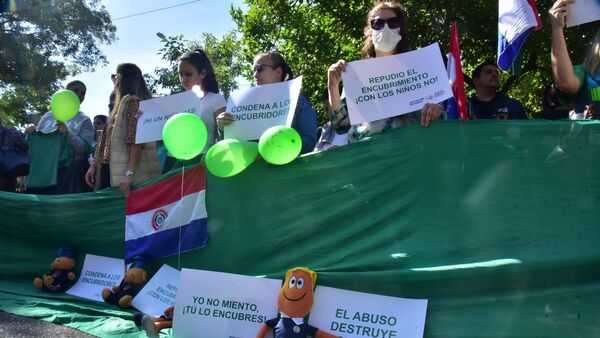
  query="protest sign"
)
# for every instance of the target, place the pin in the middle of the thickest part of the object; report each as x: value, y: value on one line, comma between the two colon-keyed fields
x: 352, y: 314
x: 98, y: 273
x: 159, y: 293
x: 257, y: 109
x: 157, y: 111
x: 222, y: 304
x: 583, y: 11
x: 393, y: 85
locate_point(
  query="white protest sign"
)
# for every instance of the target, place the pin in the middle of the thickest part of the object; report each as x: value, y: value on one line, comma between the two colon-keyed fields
x: 157, y: 111
x: 159, y: 293
x: 257, y: 109
x: 352, y: 314
x: 222, y: 304
x: 98, y: 273
x: 583, y: 11
x: 394, y: 85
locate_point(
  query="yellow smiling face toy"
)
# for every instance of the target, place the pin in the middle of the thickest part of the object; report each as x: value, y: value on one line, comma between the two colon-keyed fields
x: 295, y: 299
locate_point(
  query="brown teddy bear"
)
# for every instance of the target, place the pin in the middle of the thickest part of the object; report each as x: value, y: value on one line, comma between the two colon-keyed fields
x: 132, y: 283
x: 61, y: 275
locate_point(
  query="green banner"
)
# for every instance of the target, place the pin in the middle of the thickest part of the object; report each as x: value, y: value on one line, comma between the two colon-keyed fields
x: 496, y: 223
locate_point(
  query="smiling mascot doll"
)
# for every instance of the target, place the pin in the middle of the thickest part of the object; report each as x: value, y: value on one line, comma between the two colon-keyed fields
x: 295, y: 299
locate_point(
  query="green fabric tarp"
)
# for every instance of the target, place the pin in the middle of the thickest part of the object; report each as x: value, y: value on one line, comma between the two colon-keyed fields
x: 496, y: 223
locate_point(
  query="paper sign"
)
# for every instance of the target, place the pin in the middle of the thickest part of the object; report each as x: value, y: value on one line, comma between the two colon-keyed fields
x: 393, y: 85
x: 583, y: 11
x: 98, y: 273
x: 257, y: 109
x: 223, y: 305
x: 159, y: 293
x: 157, y: 112
x: 352, y: 314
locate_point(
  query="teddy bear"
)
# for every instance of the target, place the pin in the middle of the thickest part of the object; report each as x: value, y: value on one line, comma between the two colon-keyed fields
x: 61, y: 275
x: 295, y: 299
x: 132, y: 283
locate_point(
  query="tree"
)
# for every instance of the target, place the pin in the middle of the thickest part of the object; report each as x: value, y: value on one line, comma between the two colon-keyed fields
x: 224, y: 55
x: 43, y: 42
x: 314, y: 34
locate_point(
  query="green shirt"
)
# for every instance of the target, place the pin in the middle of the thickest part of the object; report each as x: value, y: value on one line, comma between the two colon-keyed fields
x: 47, y: 153
x: 583, y: 95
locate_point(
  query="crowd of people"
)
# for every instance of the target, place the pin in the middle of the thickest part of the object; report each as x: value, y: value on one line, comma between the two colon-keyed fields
x: 79, y: 156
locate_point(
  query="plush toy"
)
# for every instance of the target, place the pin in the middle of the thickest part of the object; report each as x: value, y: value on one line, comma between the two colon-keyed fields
x: 132, y: 283
x: 61, y: 276
x: 295, y: 299
x: 153, y: 325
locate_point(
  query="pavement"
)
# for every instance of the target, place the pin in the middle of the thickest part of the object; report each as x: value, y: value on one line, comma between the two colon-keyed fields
x: 12, y: 326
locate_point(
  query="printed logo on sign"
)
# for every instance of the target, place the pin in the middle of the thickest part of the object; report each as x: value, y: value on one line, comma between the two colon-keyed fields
x: 158, y: 219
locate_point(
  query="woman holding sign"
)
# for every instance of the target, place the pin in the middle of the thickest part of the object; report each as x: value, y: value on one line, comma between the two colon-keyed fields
x: 385, y: 34
x: 118, y: 161
x: 271, y: 68
x: 195, y: 70
x: 580, y: 84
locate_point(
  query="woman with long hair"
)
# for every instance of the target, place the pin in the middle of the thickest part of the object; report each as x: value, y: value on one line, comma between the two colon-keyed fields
x: 118, y: 160
x: 385, y: 34
x: 271, y: 67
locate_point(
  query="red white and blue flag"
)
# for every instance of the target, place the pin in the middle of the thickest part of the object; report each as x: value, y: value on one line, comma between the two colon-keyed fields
x: 162, y: 221
x: 516, y: 20
x: 456, y: 107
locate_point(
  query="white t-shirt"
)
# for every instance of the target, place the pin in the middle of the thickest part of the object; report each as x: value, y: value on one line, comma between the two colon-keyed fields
x: 210, y: 103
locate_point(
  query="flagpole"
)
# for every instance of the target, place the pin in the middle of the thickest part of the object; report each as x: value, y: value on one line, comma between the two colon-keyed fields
x: 181, y: 200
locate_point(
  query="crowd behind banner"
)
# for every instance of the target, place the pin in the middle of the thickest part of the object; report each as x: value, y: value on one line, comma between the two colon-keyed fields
x: 79, y: 156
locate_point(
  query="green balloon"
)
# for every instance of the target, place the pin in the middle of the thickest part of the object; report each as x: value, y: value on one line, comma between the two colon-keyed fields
x: 64, y: 105
x: 280, y: 145
x: 230, y: 157
x: 184, y: 135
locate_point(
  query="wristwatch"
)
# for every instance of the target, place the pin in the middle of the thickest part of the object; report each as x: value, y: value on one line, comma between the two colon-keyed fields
x: 128, y: 172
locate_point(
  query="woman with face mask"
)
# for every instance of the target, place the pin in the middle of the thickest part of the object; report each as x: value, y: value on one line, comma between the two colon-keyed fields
x: 385, y: 34
x: 270, y: 67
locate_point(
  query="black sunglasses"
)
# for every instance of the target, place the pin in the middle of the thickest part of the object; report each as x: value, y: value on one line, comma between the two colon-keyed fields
x: 393, y: 23
x: 260, y: 68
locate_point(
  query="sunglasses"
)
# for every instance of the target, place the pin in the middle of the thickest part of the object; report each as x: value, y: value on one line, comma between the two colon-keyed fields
x: 259, y: 68
x: 393, y: 23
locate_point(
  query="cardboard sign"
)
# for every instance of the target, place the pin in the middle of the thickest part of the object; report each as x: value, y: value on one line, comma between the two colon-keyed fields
x: 157, y: 112
x: 352, y: 314
x: 223, y: 305
x: 257, y: 109
x: 583, y: 11
x: 159, y: 293
x: 98, y: 273
x: 394, y: 85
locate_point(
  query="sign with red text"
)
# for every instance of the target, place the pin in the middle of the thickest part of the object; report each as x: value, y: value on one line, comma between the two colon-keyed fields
x: 394, y: 85
x: 351, y: 314
x: 257, y: 109
x: 216, y: 304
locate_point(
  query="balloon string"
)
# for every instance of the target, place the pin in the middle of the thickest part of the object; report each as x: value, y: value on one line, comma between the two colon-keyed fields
x: 181, y: 205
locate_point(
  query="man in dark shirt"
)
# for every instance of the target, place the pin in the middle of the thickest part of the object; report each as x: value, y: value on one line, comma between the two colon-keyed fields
x: 487, y: 103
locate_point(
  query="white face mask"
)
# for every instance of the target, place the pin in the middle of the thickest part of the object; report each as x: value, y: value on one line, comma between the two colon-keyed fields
x: 386, y: 39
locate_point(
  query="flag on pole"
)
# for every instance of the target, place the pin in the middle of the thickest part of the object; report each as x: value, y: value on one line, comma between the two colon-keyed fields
x: 457, y: 106
x: 161, y: 220
x: 516, y: 20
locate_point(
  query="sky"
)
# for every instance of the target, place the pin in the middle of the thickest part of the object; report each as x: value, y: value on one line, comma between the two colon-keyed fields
x: 137, y: 41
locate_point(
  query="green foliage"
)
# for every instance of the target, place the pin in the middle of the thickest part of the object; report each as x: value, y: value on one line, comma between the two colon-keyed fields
x: 41, y: 44
x: 224, y: 55
x: 312, y: 35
